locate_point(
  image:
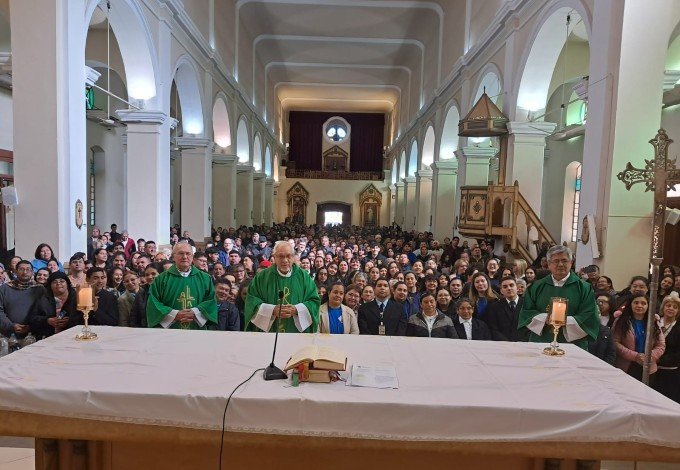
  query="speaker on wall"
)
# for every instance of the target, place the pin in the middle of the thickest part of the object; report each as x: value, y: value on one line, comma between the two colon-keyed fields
x: 9, y: 196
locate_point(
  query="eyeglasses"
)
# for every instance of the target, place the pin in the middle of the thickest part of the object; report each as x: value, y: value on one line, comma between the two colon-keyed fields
x: 560, y: 262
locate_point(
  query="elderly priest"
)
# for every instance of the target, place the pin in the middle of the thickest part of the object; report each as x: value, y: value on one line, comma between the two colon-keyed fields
x: 300, y: 302
x: 583, y: 322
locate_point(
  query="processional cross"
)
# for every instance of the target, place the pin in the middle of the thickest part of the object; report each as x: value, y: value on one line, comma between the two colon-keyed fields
x: 659, y: 175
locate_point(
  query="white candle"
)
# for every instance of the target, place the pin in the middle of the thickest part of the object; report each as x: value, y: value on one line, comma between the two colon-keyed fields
x: 559, y: 313
x: 85, y: 297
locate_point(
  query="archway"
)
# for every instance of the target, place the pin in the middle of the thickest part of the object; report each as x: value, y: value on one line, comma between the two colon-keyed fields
x: 322, y: 208
x: 135, y: 42
x: 257, y: 153
x: 428, y: 148
x: 449, y: 139
x: 187, y: 81
x: 221, y: 123
x: 413, y: 159
x: 276, y: 168
x: 268, y: 161
x: 395, y: 171
x: 242, y: 142
x: 546, y: 48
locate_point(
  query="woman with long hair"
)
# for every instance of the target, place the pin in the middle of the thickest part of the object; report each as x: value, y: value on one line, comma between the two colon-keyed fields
x: 392, y: 270
x: 50, y: 313
x: 459, y: 268
x: 519, y: 267
x: 629, y: 332
x: 481, y: 294
x: 336, y: 318
x: 373, y: 275
x: 43, y: 254
x: 42, y: 275
x: 321, y: 277
x: 530, y: 275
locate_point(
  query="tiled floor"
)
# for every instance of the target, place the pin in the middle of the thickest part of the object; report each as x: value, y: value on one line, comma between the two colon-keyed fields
x: 18, y: 454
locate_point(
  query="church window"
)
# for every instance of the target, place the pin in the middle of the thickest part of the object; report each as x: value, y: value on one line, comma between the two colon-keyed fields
x: 336, y: 130
x: 577, y: 204
x: 333, y: 218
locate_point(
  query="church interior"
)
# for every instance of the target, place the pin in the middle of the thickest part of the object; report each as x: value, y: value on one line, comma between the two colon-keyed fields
x: 503, y: 120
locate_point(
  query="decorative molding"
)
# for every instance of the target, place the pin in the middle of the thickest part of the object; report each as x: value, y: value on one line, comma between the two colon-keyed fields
x: 195, y: 142
x: 537, y: 128
x: 132, y: 116
x: 445, y: 165
x: 222, y: 158
x: 91, y: 76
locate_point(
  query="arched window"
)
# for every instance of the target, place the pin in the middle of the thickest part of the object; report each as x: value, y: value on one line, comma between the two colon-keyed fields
x: 577, y: 204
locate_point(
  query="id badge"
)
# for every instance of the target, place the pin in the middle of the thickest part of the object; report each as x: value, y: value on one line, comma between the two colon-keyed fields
x: 381, y: 329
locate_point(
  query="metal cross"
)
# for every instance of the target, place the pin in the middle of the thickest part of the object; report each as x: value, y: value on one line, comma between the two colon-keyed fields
x: 659, y: 175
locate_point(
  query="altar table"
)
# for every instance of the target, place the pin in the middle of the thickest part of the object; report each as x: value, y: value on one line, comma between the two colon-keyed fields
x: 150, y: 398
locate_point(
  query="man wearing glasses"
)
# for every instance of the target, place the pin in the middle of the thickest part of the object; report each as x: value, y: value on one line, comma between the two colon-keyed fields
x: 583, y: 321
x: 299, y: 310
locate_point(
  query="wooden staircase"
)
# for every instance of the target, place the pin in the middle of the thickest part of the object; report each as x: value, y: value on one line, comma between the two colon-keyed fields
x: 502, y: 212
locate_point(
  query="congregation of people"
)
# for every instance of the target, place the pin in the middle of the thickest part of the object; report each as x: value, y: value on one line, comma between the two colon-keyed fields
x: 345, y: 280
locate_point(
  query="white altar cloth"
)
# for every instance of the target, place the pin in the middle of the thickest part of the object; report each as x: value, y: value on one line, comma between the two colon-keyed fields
x: 450, y: 390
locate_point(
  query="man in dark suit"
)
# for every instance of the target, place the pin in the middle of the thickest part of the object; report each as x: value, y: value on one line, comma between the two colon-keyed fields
x: 468, y: 327
x: 382, y: 316
x: 502, y: 316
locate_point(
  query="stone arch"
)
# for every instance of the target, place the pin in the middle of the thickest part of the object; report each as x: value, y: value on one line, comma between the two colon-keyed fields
x: 257, y: 153
x: 402, y: 164
x: 275, y: 172
x: 490, y: 78
x: 449, y: 135
x: 221, y: 122
x: 395, y: 170
x: 243, y: 142
x: 427, y: 158
x: 268, y: 161
x: 188, y: 86
x: 413, y: 158
x: 136, y: 46
x: 539, y: 60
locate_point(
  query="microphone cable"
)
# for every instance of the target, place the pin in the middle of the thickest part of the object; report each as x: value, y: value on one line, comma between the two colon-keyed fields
x: 224, y: 416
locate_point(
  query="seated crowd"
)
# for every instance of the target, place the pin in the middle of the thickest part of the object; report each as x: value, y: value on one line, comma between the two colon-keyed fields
x: 370, y: 281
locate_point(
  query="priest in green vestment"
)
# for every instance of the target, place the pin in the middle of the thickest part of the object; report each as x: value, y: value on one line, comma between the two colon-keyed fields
x: 300, y: 303
x: 583, y: 323
x: 183, y: 297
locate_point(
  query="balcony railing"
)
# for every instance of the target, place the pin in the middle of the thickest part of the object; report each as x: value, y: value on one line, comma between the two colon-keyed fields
x: 335, y: 175
x: 502, y: 211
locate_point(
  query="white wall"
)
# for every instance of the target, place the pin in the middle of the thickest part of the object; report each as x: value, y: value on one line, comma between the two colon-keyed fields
x: 6, y: 120
x: 109, y: 176
x: 321, y: 191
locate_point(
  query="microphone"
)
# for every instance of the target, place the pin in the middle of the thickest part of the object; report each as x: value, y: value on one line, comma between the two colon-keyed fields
x: 272, y: 372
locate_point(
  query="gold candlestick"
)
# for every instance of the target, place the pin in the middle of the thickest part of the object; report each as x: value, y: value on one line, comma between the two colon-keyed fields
x: 86, y: 303
x: 557, y: 317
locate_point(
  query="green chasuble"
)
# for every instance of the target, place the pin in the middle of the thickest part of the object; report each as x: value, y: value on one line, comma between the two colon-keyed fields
x: 170, y: 291
x: 299, y: 288
x: 581, y: 307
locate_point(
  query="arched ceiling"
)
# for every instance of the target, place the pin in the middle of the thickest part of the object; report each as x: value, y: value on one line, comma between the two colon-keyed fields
x: 339, y: 55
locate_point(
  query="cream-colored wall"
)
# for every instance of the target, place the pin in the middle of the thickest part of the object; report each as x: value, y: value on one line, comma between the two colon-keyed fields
x: 95, y: 49
x: 454, y: 36
x: 198, y: 11
x: 321, y: 191
x: 224, y: 32
x: 7, y: 121
x: 573, y: 62
x: 481, y: 16
x: 109, y: 175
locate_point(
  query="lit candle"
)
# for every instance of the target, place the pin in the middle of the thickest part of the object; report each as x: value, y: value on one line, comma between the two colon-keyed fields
x: 85, y: 297
x: 559, y: 313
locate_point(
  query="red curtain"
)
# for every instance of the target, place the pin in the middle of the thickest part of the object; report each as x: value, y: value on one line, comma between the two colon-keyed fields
x: 367, y: 138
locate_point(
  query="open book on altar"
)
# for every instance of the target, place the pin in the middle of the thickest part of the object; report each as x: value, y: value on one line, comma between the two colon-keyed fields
x: 319, y: 358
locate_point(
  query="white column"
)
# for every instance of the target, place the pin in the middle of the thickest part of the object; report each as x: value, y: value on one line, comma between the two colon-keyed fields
x: 196, y: 193
x: 258, y: 197
x: 50, y: 165
x: 424, y: 198
x: 393, y: 204
x: 244, y: 198
x: 526, y: 152
x: 269, y: 202
x: 475, y: 161
x: 444, y: 198
x: 280, y: 204
x: 224, y: 190
x: 410, y: 202
x: 401, y: 204
x: 624, y: 113
x: 147, y: 175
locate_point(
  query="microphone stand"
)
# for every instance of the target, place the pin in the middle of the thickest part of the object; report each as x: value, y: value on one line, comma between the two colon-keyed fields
x: 272, y: 372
